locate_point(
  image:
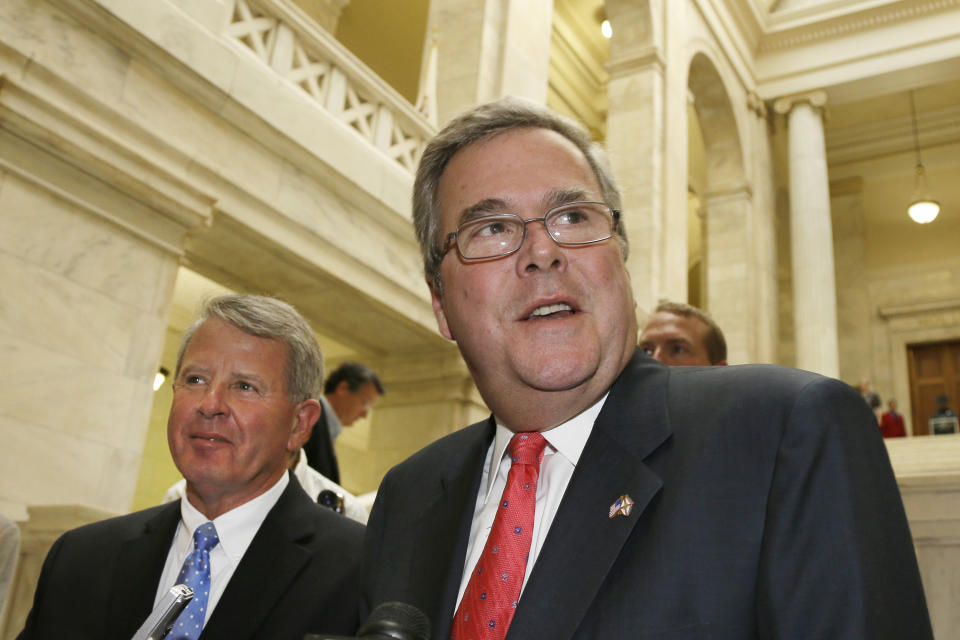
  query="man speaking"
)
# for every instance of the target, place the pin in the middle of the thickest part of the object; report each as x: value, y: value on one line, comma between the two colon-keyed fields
x: 608, y: 495
x: 263, y: 559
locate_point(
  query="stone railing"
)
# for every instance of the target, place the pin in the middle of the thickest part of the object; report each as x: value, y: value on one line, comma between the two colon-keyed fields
x: 282, y: 37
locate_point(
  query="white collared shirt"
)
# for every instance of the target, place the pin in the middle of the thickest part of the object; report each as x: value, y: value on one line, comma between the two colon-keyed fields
x: 564, y: 445
x: 235, y: 528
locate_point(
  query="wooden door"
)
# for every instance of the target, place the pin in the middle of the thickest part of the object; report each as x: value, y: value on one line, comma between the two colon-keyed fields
x: 934, y: 371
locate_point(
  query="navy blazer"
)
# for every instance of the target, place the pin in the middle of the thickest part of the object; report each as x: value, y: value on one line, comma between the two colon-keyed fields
x: 299, y: 575
x: 765, y: 507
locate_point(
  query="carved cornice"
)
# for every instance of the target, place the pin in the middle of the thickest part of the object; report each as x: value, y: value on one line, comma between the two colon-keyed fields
x: 833, y: 26
x: 88, y: 154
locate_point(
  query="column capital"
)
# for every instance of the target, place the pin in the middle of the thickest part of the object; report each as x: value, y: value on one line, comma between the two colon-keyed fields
x: 756, y: 104
x: 637, y: 61
x: 816, y: 99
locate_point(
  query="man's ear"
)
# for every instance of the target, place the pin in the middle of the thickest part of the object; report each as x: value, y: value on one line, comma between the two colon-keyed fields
x: 437, y: 302
x: 308, y: 412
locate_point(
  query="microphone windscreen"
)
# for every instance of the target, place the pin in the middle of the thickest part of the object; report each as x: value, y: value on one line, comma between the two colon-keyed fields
x: 396, y: 620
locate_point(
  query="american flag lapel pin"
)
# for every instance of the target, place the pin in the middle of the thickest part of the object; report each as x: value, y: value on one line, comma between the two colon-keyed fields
x: 622, y: 507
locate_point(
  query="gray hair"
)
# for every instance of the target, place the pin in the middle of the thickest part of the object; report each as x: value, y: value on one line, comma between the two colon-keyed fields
x: 482, y: 123
x: 275, y: 320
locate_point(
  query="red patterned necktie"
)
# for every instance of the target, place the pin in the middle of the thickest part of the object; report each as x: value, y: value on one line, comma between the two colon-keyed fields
x: 491, y: 596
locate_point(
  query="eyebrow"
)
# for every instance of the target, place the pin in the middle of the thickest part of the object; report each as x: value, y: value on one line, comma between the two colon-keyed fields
x: 195, y: 369
x: 557, y: 197
x: 553, y: 198
x: 486, y: 206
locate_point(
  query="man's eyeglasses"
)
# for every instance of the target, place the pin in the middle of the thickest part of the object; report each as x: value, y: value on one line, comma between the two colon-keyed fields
x: 499, y: 235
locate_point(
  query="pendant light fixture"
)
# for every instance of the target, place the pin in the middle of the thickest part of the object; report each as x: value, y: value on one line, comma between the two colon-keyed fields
x: 923, y: 209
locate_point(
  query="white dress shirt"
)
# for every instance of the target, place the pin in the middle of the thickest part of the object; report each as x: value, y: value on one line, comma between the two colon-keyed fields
x: 564, y: 445
x: 235, y: 528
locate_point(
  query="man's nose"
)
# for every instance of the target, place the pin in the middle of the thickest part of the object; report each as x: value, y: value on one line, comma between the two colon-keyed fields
x: 212, y: 402
x: 539, y: 251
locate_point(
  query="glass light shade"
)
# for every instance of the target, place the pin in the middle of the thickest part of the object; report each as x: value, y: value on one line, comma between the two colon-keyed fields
x: 606, y: 29
x: 159, y: 378
x: 924, y: 208
x: 924, y: 211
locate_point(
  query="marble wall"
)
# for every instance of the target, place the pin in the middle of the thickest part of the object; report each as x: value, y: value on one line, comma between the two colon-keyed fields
x: 138, y: 137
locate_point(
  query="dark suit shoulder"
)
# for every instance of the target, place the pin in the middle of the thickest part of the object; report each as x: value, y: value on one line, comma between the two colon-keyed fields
x: 110, y: 530
x: 769, y: 393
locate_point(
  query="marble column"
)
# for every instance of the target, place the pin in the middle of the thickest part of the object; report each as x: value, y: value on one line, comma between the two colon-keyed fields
x: 731, y: 297
x: 489, y: 49
x: 765, y: 245
x: 811, y: 236
x: 853, y: 299
x: 637, y: 139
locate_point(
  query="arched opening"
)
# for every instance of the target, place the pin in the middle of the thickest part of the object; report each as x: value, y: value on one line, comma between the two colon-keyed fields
x: 720, y: 264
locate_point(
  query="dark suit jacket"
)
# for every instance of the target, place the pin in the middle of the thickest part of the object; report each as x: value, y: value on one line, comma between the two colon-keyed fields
x: 299, y: 575
x: 319, y: 449
x: 765, y: 508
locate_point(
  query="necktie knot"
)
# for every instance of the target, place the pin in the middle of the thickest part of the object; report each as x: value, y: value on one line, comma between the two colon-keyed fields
x: 205, y: 537
x: 527, y: 447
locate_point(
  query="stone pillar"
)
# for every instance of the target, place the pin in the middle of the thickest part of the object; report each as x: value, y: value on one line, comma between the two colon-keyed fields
x: 635, y: 141
x: 488, y: 49
x: 765, y: 245
x: 87, y: 272
x: 811, y: 237
x: 730, y: 276
x: 854, y: 318
x: 38, y: 533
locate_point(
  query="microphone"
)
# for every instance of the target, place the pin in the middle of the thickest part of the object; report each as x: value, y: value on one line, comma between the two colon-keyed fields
x: 388, y: 621
x: 331, y: 500
x: 158, y: 623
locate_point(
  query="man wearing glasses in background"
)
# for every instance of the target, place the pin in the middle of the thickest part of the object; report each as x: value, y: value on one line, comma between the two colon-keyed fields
x: 609, y: 496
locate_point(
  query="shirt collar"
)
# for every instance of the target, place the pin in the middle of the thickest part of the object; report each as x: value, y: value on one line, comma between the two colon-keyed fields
x: 567, y: 439
x: 237, y: 527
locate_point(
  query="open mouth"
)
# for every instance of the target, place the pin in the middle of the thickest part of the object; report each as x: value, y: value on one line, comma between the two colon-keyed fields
x: 557, y: 310
x: 207, y: 438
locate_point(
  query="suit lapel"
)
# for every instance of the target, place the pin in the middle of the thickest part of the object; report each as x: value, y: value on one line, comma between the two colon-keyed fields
x: 140, y: 564
x: 584, y: 541
x: 443, y: 528
x: 273, y: 559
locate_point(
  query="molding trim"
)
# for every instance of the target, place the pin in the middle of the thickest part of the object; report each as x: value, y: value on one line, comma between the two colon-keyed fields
x: 129, y: 163
x: 646, y: 59
x: 918, y: 308
x: 832, y: 26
